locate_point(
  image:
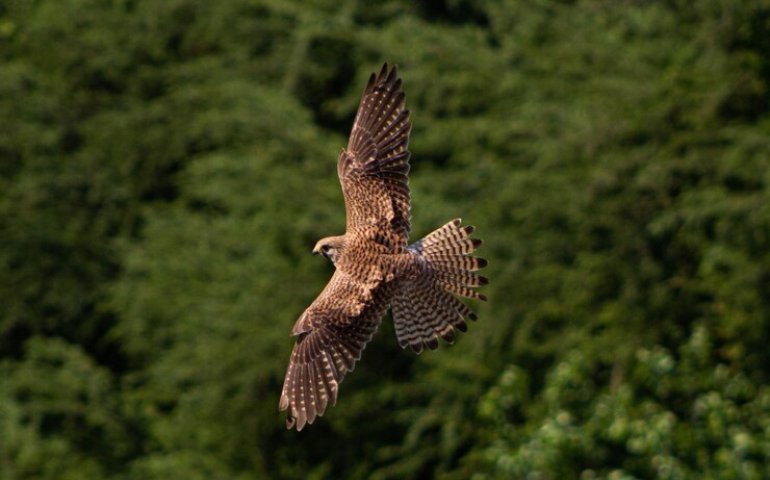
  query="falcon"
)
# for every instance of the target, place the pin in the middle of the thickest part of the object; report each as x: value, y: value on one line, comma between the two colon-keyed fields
x: 376, y: 269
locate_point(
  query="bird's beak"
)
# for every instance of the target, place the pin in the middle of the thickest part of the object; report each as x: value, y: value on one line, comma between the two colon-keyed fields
x: 316, y: 251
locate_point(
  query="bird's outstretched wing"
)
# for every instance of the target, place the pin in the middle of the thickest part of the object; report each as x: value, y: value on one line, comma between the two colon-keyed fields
x: 331, y: 334
x: 374, y: 168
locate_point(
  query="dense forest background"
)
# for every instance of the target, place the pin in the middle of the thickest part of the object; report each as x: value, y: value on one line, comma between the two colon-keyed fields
x: 166, y: 167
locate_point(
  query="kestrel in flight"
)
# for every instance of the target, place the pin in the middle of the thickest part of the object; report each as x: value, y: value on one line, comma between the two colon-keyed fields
x: 375, y: 267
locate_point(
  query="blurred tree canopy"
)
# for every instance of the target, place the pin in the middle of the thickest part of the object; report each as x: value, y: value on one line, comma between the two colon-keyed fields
x: 165, y: 168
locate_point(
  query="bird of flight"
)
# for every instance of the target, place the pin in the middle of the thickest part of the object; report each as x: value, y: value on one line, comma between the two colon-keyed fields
x: 375, y: 267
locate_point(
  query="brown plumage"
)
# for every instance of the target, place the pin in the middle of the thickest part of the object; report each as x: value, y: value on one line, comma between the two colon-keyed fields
x: 376, y: 269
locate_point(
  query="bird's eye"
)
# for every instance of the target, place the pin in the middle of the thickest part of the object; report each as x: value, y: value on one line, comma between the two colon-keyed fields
x: 325, y: 248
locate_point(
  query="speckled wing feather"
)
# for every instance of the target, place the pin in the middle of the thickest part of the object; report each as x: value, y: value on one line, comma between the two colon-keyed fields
x: 331, y: 334
x: 374, y: 168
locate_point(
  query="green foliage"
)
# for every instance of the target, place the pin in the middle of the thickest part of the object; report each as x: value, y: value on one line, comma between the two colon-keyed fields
x: 60, y: 414
x: 165, y: 168
x: 660, y: 416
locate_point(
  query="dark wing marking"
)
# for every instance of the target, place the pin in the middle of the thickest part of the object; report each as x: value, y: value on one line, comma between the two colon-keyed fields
x: 331, y: 334
x: 374, y: 168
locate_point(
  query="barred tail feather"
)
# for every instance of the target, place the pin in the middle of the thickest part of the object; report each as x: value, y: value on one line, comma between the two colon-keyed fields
x: 427, y: 308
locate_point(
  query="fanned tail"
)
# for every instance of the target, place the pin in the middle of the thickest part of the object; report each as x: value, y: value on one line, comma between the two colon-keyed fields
x: 426, y: 308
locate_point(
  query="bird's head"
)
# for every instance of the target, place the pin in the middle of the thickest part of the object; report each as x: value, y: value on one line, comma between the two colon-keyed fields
x: 330, y: 247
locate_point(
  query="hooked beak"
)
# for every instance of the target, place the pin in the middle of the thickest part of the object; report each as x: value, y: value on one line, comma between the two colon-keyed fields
x: 316, y: 251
